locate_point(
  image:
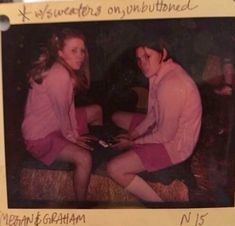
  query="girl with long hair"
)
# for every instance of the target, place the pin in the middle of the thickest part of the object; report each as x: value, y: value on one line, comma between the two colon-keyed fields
x: 53, y: 129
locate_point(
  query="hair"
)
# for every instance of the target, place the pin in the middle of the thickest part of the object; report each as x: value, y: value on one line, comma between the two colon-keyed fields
x: 155, y: 43
x: 49, y: 55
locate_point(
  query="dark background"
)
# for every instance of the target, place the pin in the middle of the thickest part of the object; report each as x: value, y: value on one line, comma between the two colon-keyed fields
x: 113, y: 69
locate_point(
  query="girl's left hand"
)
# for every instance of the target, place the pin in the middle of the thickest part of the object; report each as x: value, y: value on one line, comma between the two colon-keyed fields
x: 122, y: 143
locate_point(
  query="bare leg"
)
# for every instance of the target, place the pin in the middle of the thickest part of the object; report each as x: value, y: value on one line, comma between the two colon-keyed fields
x: 122, y: 119
x: 123, y: 170
x: 94, y: 115
x: 82, y: 160
x: 124, y: 167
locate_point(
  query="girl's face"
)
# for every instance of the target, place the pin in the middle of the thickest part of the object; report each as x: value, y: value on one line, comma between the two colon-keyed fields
x: 73, y: 52
x: 148, y: 60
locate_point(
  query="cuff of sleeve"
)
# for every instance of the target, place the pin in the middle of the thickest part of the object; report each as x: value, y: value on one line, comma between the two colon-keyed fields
x: 137, y: 131
x: 71, y: 138
x: 134, y: 134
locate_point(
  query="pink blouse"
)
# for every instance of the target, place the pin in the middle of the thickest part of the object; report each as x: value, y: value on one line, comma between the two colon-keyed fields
x: 50, y: 106
x: 174, y: 112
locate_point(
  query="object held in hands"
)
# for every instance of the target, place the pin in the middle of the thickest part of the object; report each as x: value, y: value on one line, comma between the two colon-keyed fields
x: 104, y: 143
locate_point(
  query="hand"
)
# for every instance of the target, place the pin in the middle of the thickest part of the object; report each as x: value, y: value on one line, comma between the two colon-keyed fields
x: 82, y: 141
x: 87, y: 138
x: 124, y: 136
x: 122, y: 143
x: 130, y: 135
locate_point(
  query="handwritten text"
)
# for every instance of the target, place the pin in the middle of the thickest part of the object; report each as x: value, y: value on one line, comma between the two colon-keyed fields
x: 84, y: 10
x: 38, y: 219
x: 159, y: 6
x: 194, y: 220
x: 48, y: 12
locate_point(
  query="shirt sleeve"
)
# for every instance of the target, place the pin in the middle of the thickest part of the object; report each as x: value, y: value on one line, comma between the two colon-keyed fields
x: 148, y: 121
x: 60, y: 92
x: 168, y: 105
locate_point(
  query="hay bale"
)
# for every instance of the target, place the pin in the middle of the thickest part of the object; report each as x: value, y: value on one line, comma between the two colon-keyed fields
x: 57, y: 185
x: 176, y: 191
x: 38, y: 184
x: 102, y: 188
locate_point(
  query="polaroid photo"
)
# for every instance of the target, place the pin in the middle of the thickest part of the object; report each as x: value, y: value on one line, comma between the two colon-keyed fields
x: 117, y: 113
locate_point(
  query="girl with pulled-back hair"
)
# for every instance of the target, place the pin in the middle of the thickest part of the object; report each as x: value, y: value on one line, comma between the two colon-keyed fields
x: 167, y: 134
x: 53, y: 129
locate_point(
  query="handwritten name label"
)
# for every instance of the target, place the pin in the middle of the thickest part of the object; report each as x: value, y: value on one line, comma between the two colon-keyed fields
x: 85, y: 10
x: 38, y: 219
x: 193, y: 220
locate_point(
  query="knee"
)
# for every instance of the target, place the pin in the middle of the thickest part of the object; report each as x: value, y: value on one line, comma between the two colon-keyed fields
x: 116, y: 117
x: 97, y: 113
x: 84, y: 160
x: 113, y: 170
x: 98, y: 110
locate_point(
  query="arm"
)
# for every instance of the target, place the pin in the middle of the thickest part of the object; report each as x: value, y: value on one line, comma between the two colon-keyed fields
x: 142, y: 128
x: 150, y: 118
x: 60, y: 92
x: 169, y: 105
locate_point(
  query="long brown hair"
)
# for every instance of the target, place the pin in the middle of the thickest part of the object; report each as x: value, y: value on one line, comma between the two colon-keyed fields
x: 49, y: 56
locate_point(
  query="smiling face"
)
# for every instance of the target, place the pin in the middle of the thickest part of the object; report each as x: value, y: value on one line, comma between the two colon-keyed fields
x: 73, y: 52
x: 148, y: 60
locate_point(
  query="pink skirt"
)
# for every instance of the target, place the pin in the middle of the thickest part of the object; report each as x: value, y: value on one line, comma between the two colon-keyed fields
x: 48, y: 148
x: 153, y: 156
